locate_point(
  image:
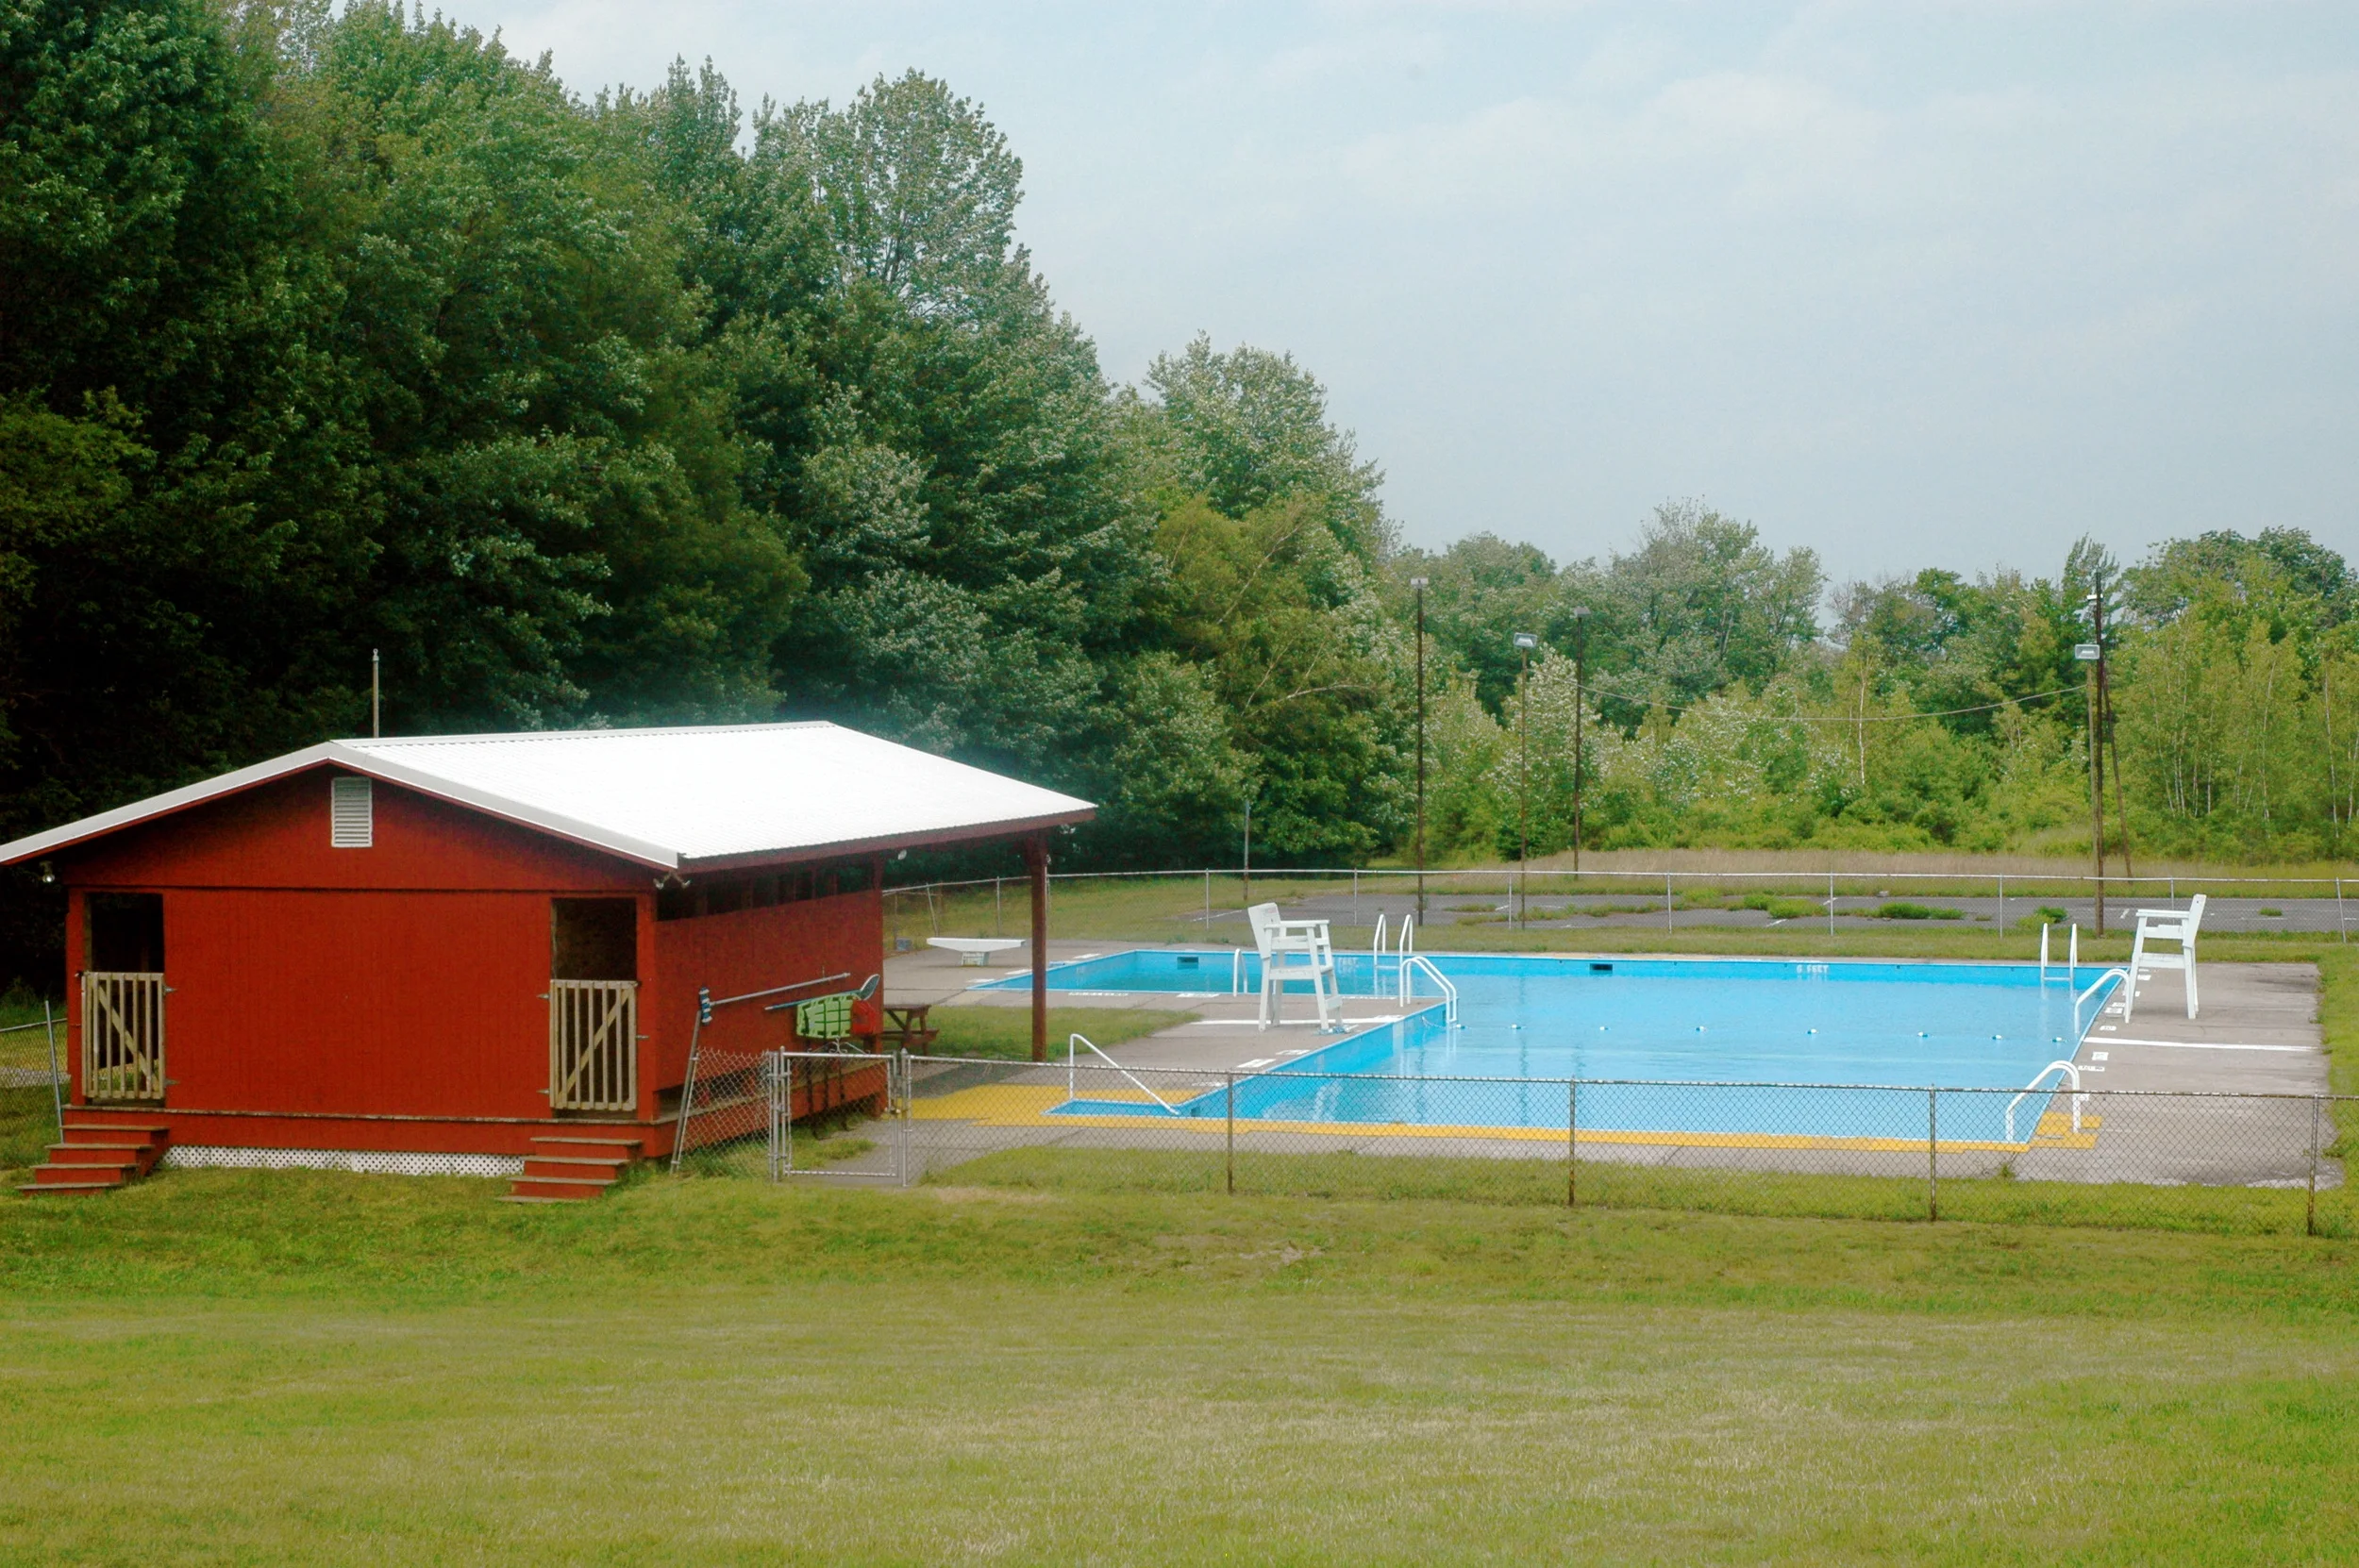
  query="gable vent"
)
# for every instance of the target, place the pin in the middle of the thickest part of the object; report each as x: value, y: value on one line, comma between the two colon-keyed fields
x: 351, y: 815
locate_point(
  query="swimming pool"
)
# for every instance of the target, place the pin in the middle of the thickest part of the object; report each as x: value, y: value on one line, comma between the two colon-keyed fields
x: 1635, y: 1030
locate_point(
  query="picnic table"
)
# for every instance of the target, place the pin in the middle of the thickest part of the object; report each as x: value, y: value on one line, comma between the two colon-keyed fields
x: 906, y: 1025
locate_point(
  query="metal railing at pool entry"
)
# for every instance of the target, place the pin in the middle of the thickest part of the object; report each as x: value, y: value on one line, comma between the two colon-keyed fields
x: 1417, y: 963
x: 2094, y: 987
x: 1071, y: 1090
x: 2079, y: 1100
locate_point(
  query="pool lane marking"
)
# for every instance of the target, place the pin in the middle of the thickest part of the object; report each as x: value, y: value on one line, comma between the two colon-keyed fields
x: 2205, y: 1045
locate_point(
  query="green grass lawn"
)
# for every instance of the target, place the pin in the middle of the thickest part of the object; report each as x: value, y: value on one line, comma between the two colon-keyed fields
x: 298, y: 1367
x: 1055, y: 1359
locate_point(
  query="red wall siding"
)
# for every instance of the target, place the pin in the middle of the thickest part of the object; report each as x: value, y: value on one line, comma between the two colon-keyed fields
x: 752, y: 950
x: 276, y: 837
x: 409, y: 978
x: 402, y: 1003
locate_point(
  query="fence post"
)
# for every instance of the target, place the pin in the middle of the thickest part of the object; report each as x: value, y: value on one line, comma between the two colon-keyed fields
x: 1233, y: 1132
x: 1208, y: 901
x: 2340, y: 924
x: 1933, y: 1155
x: 904, y: 1105
x: 1831, y: 903
x: 1572, y: 1142
x: 2318, y: 1108
x: 1666, y: 900
x: 57, y: 1079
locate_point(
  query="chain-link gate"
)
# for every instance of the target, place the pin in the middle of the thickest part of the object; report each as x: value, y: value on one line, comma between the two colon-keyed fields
x: 807, y: 1086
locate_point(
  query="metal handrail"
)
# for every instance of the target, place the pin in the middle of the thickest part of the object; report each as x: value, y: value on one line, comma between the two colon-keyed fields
x: 2078, y: 1099
x: 2094, y: 987
x: 1418, y: 962
x: 1072, y: 1092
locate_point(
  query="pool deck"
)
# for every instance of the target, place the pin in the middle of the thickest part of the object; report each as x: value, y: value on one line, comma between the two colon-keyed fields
x: 2258, y: 1034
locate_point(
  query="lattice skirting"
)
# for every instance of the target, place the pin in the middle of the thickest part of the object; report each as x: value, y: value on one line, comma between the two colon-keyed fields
x: 368, y: 1161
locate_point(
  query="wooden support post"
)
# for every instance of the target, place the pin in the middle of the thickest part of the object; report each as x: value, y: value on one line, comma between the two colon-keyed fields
x: 1036, y: 862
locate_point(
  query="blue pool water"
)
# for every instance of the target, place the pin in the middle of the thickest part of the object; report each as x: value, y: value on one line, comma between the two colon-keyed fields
x: 1770, y: 1022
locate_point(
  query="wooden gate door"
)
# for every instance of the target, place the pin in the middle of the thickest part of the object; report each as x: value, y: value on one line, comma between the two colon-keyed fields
x: 122, y: 1035
x: 593, y: 1045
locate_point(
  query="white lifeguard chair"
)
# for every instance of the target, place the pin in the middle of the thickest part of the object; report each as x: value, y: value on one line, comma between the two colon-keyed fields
x: 2177, y: 925
x: 1294, y: 950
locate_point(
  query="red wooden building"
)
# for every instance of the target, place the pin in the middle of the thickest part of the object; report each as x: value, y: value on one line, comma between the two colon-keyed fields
x: 453, y: 953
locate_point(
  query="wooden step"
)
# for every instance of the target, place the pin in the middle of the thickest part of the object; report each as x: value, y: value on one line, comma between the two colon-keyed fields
x: 48, y: 1189
x: 86, y: 1156
x: 564, y: 1186
x: 80, y: 1176
x: 79, y: 1147
x: 573, y: 1167
x: 560, y: 1170
x: 153, y: 1132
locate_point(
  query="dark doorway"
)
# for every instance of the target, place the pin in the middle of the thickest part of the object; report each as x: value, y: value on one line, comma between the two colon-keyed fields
x: 594, y: 939
x: 127, y: 933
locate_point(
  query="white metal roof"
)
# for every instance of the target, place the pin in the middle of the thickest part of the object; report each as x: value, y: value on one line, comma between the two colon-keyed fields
x: 704, y: 797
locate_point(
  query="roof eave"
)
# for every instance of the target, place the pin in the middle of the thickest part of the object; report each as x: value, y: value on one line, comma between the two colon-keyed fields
x: 333, y: 754
x: 973, y: 833
x: 171, y: 803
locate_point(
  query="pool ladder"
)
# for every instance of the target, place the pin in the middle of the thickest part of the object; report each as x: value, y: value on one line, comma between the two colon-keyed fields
x: 2069, y: 1073
x: 1417, y: 963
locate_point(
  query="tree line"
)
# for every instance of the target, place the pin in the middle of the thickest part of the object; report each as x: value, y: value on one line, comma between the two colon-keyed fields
x: 329, y: 331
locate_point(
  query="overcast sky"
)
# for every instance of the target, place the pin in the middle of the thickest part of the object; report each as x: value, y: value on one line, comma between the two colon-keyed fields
x: 1910, y: 283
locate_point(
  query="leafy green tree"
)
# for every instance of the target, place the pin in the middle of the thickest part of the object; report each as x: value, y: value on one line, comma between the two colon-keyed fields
x: 1248, y: 428
x: 1701, y: 605
x: 1481, y: 592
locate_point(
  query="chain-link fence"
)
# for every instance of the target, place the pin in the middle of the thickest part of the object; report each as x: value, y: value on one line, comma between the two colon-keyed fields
x: 1165, y: 905
x: 2232, y: 1163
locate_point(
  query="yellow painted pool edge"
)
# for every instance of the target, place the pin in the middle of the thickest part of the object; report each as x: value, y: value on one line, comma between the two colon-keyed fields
x: 1010, y: 1105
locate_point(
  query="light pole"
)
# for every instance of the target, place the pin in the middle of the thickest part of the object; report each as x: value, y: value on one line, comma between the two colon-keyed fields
x: 2092, y: 655
x: 1417, y: 584
x: 1580, y: 697
x: 1246, y: 865
x: 1525, y: 643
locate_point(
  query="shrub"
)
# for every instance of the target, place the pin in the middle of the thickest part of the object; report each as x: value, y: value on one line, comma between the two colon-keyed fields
x: 1916, y: 911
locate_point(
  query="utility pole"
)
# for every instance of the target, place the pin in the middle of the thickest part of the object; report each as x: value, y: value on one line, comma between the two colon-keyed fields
x: 1248, y: 864
x: 2092, y: 655
x: 1580, y: 700
x: 1525, y: 643
x: 1417, y: 584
